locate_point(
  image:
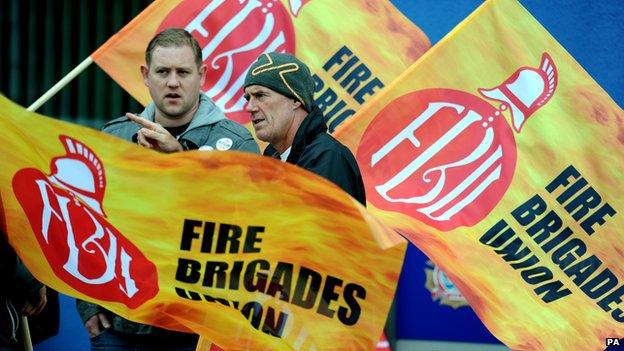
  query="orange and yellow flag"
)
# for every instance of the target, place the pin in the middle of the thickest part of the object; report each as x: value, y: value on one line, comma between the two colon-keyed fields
x: 245, y: 250
x: 500, y: 157
x: 353, y: 47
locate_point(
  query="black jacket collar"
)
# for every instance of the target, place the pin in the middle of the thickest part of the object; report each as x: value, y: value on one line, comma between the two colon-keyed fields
x: 312, y: 125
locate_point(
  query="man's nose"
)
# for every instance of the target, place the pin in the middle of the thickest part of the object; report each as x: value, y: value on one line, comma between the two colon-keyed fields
x: 251, y: 106
x: 173, y: 81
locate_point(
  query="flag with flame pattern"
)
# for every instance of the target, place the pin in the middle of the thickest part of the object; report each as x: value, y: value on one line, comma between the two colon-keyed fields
x: 245, y: 250
x: 499, y: 157
x: 349, y: 67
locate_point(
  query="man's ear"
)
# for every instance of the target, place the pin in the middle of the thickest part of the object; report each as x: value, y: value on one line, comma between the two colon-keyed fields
x: 144, y: 72
x: 296, y: 104
x: 202, y: 74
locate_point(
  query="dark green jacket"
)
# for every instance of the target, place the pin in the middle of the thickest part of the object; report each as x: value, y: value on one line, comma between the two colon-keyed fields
x: 318, y: 152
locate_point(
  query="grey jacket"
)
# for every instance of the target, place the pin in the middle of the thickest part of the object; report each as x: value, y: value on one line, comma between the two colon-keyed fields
x: 209, y: 129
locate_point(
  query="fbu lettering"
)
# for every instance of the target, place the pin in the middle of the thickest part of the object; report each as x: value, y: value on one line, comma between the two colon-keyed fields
x: 232, y: 34
x: 65, y: 209
x: 447, y: 157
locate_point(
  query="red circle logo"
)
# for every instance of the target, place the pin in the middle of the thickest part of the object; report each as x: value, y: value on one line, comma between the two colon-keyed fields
x: 443, y: 156
x: 232, y: 34
x: 65, y: 209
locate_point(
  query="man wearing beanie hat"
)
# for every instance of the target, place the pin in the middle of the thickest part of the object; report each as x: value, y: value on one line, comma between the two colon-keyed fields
x: 279, y: 90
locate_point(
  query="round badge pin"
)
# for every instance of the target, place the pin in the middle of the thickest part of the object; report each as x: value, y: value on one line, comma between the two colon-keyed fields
x: 224, y: 144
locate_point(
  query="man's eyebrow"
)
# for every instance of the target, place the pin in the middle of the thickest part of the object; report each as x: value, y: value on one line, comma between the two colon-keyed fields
x: 186, y: 68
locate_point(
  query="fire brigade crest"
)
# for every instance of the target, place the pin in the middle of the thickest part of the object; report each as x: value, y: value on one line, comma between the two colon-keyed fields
x: 447, y: 157
x: 65, y: 209
x: 442, y: 288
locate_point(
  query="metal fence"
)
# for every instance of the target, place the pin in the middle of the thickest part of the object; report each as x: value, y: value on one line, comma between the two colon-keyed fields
x: 43, y: 40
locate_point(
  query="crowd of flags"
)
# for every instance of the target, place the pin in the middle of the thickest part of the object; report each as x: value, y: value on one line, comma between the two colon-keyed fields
x: 467, y: 136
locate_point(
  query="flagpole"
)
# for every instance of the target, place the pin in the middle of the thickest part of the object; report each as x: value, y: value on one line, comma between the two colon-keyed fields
x: 26, y: 335
x: 61, y: 84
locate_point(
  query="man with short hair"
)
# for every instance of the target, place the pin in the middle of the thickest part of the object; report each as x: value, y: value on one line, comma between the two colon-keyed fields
x: 279, y: 90
x: 180, y: 118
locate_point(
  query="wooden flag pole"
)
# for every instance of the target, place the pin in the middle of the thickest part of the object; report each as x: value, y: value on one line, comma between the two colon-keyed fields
x: 26, y: 335
x: 61, y: 83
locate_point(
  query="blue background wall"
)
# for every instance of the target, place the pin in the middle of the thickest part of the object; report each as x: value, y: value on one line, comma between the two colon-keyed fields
x: 591, y: 31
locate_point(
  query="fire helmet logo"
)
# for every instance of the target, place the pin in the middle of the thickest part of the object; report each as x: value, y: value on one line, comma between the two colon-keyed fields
x: 66, y: 212
x: 448, y: 157
x: 232, y: 34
